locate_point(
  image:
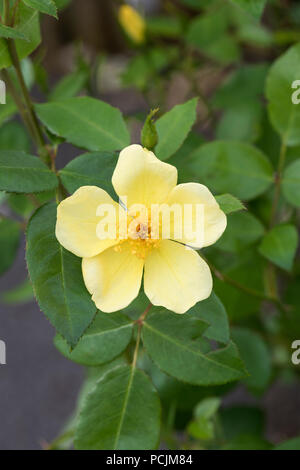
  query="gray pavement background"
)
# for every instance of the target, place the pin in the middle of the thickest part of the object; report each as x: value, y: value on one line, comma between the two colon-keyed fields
x: 38, y: 387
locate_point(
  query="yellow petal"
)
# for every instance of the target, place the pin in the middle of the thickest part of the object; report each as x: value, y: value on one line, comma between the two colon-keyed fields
x: 133, y: 23
x: 176, y: 277
x: 142, y: 178
x: 213, y: 221
x: 76, y: 225
x: 113, y: 277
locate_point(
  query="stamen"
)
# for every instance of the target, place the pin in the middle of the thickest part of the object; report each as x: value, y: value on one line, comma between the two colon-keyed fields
x: 139, y: 239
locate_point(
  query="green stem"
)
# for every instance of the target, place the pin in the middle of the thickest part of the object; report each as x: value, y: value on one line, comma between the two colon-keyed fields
x: 61, y: 192
x: 138, y: 340
x: 247, y: 290
x: 28, y: 113
x: 14, y: 12
x: 6, y: 12
x: 34, y: 200
x: 145, y: 313
x: 55, y: 445
x: 38, y: 135
x: 271, y: 280
x: 137, y: 345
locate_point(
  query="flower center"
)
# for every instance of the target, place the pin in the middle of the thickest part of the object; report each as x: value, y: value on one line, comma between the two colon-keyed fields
x: 142, y: 231
x: 139, y: 238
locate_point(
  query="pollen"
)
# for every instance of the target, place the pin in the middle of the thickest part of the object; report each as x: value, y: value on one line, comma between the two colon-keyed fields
x: 142, y: 246
x: 140, y: 240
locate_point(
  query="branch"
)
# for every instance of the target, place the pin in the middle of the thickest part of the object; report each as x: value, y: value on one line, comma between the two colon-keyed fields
x: 139, y: 322
x: 260, y: 295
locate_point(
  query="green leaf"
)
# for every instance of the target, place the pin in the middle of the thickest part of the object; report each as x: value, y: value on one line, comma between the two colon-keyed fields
x: 229, y: 203
x: 144, y: 68
x: 172, y: 391
x: 242, y: 420
x: 225, y: 50
x: 106, y: 338
x: 269, y: 142
x: 233, y: 167
x: 27, y: 68
x: 8, y: 32
x: 203, y: 426
x: 241, y: 122
x: 291, y: 183
x: 247, y: 442
x: 255, y: 34
x: 23, y: 205
x: 3, y: 197
x: 201, y: 429
x: 19, y: 294
x: 93, y: 374
x: 291, y: 444
x: 204, y: 30
x: 86, y: 122
x: 137, y: 306
x: 57, y: 278
x: 243, y: 229
x: 62, y: 3
x: 13, y: 136
x: 27, y: 24
x: 284, y: 114
x: 165, y: 26
x: 196, y: 4
x: 173, y: 128
x: 280, y: 246
x: 213, y: 312
x: 256, y: 356
x: 207, y: 408
x: 244, y: 85
x: 289, y: 324
x: 149, y: 136
x: 121, y: 413
x: 23, y: 173
x: 176, y: 352
x: 90, y: 169
x: 44, y: 6
x: 253, y: 7
x: 70, y: 85
x: 209, y: 34
x: 183, y: 155
x: 10, y: 234
x: 247, y: 270
x: 9, y: 109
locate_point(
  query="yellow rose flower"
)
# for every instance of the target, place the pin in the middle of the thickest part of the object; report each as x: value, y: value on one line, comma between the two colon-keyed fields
x: 132, y: 23
x: 175, y: 276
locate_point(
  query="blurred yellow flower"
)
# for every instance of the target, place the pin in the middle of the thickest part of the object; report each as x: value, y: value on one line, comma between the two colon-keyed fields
x: 132, y: 23
x: 116, y: 253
